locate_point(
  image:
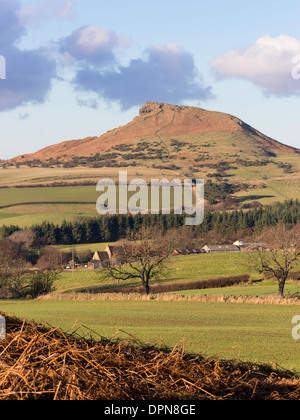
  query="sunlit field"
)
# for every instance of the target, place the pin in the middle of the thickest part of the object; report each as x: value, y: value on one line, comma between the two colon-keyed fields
x: 257, y: 333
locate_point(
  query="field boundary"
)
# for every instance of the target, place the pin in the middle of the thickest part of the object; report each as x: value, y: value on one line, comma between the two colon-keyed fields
x: 170, y: 297
x: 45, y: 203
x: 177, y: 287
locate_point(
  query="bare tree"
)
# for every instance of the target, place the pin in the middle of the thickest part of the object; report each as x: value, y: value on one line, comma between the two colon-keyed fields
x: 280, y: 256
x: 51, y: 259
x: 145, y: 258
x: 25, y: 238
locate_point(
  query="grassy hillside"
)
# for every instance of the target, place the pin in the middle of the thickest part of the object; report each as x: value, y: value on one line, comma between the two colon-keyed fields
x: 181, y: 269
x: 25, y: 206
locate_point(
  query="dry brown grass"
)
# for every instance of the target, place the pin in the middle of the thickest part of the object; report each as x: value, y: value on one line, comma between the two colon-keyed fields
x: 172, y: 297
x: 43, y: 363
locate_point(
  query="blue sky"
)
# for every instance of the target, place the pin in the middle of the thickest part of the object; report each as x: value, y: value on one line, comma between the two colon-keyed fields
x: 79, y: 68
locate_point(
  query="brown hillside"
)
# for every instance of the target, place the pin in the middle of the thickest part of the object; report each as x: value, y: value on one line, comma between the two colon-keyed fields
x: 159, y: 119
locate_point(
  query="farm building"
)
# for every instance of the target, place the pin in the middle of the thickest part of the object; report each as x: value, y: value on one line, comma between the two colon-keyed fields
x: 210, y: 249
x: 116, y: 254
x: 100, y: 259
x: 239, y: 244
x: 248, y: 247
x: 133, y: 250
x: 251, y: 246
x: 188, y: 251
x: 94, y: 265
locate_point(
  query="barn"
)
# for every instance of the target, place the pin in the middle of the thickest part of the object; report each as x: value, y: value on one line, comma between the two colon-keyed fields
x: 214, y: 249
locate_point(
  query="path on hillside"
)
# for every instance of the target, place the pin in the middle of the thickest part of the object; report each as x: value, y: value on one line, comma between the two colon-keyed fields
x: 162, y: 142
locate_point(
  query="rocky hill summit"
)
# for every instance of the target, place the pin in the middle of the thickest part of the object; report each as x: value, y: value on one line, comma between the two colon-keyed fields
x: 159, y: 121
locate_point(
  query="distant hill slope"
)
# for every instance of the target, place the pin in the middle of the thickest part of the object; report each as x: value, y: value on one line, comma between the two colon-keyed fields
x: 178, y: 131
x: 241, y: 167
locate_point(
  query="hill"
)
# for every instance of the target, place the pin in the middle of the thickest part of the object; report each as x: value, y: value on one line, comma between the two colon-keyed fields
x: 171, y: 131
x: 164, y: 140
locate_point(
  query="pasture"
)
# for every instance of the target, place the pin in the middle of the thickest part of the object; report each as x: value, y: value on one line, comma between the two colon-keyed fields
x: 26, y: 206
x: 259, y: 333
x: 247, y: 332
x: 180, y: 270
x: 43, y: 198
x: 24, y: 176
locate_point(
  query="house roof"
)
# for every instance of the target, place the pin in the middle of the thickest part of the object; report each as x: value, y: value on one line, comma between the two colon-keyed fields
x: 103, y: 256
x: 256, y: 246
x: 188, y: 251
x: 132, y: 249
x: 117, y: 251
x: 221, y: 248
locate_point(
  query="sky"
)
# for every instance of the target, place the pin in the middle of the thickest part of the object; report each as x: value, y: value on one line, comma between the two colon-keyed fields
x: 70, y: 69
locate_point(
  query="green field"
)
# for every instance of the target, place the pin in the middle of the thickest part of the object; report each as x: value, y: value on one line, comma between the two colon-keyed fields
x: 268, y: 183
x: 26, y: 206
x: 260, y: 333
x: 28, y: 215
x: 24, y: 176
x: 180, y: 269
x: 273, y: 190
x: 11, y: 196
x: 257, y: 333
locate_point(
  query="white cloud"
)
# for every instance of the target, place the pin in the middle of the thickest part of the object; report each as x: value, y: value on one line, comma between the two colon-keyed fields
x: 268, y: 64
x: 92, y: 44
x: 91, y: 39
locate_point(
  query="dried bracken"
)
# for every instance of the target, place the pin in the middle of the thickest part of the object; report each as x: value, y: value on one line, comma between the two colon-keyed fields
x: 43, y: 363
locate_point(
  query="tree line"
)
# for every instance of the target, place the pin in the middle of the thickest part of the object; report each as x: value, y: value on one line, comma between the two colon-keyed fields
x: 112, y: 228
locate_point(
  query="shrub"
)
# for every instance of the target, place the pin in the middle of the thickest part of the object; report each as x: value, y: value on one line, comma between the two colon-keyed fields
x: 41, y: 284
x: 21, y: 286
